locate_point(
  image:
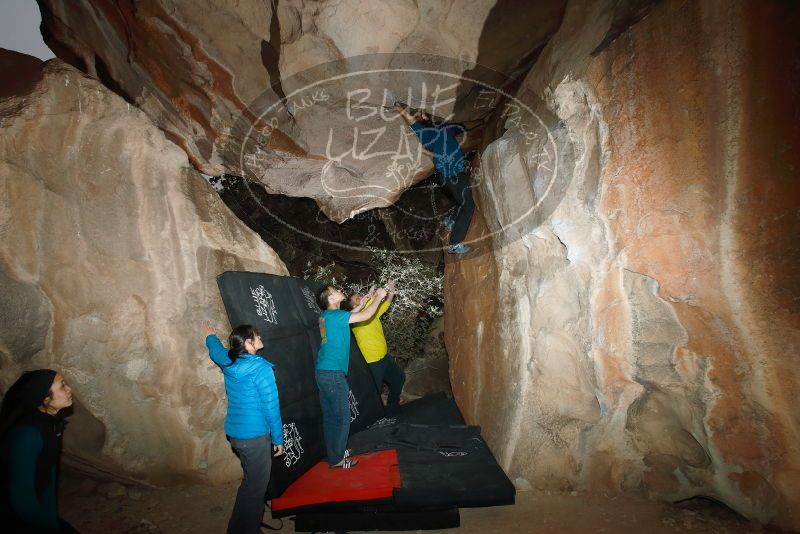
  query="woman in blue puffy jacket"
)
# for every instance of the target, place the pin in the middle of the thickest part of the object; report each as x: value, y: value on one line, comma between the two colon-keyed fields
x: 253, y: 422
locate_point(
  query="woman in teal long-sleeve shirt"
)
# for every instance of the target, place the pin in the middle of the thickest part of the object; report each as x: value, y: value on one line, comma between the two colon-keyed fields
x: 31, y: 426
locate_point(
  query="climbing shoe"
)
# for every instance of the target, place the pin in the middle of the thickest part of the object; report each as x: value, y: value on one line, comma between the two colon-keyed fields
x: 346, y: 463
x: 458, y: 248
x: 448, y: 222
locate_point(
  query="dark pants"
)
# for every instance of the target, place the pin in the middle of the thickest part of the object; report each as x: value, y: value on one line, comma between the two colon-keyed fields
x: 386, y: 370
x: 458, y: 188
x: 334, y: 396
x: 248, y: 511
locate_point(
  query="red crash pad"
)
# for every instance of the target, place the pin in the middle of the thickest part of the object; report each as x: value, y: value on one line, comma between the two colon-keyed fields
x: 375, y: 476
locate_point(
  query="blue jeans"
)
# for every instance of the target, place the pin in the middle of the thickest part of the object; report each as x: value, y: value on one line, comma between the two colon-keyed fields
x: 334, y: 396
x: 387, y: 370
x: 256, y: 457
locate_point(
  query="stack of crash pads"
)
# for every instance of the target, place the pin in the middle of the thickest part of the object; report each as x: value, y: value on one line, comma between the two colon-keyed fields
x: 418, y: 464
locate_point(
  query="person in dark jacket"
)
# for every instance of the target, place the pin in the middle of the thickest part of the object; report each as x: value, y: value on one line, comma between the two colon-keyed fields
x: 451, y: 167
x: 31, y: 427
x: 253, y: 421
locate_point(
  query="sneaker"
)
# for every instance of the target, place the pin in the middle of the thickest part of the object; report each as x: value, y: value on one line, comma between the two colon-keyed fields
x: 346, y: 463
x: 458, y: 248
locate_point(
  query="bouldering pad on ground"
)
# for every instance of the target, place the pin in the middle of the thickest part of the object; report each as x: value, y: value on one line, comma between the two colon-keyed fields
x: 440, y: 464
x: 419, y: 461
x: 374, y: 478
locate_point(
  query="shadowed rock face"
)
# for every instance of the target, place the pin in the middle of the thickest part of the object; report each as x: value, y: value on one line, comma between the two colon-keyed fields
x: 111, y: 243
x: 644, y: 334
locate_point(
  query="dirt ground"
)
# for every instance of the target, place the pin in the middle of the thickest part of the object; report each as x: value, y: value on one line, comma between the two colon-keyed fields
x: 99, y: 507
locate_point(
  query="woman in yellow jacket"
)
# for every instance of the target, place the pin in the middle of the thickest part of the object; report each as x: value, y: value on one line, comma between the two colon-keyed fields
x: 372, y: 344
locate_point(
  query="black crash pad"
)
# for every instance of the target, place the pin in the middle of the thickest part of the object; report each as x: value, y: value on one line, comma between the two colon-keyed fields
x: 285, y: 312
x: 443, y: 462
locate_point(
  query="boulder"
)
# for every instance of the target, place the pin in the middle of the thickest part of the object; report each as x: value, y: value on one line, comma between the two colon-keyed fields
x: 638, y: 331
x: 265, y: 89
x: 110, y: 246
x: 429, y: 374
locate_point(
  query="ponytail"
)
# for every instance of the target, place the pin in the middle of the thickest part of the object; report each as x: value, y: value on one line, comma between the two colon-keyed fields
x: 237, y: 339
x: 322, y: 297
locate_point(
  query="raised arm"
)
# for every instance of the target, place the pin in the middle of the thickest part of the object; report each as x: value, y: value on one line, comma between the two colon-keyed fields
x: 370, y: 310
x: 384, y: 307
x: 216, y: 351
x: 360, y: 305
x: 403, y: 111
x: 389, y: 291
x: 365, y: 300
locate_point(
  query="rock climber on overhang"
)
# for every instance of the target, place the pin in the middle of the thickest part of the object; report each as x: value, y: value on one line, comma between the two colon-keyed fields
x: 451, y: 168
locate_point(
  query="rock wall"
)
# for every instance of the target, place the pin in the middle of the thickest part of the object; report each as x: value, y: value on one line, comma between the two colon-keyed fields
x: 110, y: 245
x: 642, y: 334
x: 235, y: 84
